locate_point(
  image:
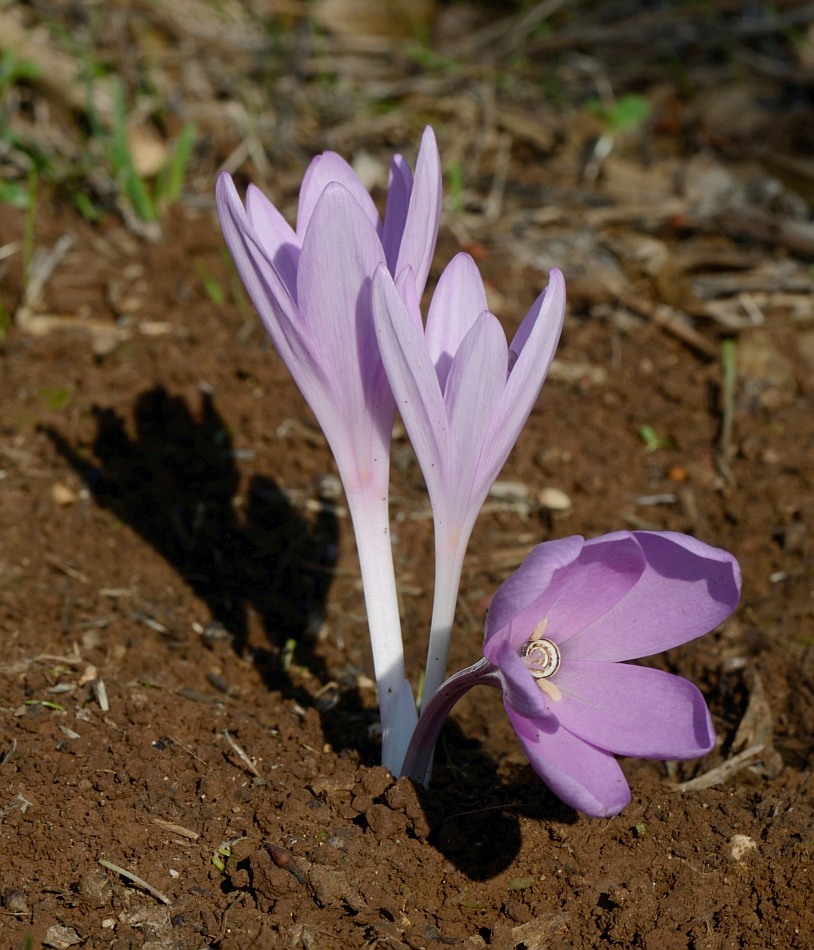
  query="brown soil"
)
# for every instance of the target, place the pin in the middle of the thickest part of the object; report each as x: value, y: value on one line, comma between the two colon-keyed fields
x: 173, y: 590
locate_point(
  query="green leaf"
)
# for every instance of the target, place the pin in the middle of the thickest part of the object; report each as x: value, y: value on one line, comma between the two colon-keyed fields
x: 55, y: 397
x: 45, y: 702
x: 121, y: 159
x: 212, y: 286
x: 171, y: 179
x: 628, y: 112
x: 625, y: 113
x: 651, y: 440
x: 15, y: 194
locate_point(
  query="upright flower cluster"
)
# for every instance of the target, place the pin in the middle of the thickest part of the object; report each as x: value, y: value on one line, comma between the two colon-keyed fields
x: 339, y: 297
x: 311, y: 288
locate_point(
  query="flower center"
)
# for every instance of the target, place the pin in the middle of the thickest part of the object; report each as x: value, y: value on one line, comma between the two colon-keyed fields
x: 541, y: 657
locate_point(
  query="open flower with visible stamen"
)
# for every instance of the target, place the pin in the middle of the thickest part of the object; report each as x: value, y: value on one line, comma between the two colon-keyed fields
x: 557, y: 633
x: 464, y: 395
x: 311, y: 287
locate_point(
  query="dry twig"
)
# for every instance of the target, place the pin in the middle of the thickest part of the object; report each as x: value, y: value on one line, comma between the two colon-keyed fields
x: 724, y: 771
x: 244, y: 758
x: 177, y: 829
x: 729, y: 374
x: 135, y: 879
x: 667, y: 319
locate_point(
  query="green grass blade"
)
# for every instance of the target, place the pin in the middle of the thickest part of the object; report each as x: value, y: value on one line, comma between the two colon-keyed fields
x: 171, y: 180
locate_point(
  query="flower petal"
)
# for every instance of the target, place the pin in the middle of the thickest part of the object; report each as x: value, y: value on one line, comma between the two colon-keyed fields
x: 339, y: 255
x: 534, y: 346
x: 520, y: 689
x: 606, y: 570
x: 686, y: 589
x: 412, y: 380
x: 420, y: 228
x: 269, y: 293
x: 580, y: 774
x: 405, y: 283
x: 633, y: 710
x: 474, y: 385
x: 278, y: 238
x: 399, y: 188
x: 516, y: 595
x: 324, y: 169
x: 549, y: 308
x: 600, y: 577
x: 457, y: 302
x: 603, y: 573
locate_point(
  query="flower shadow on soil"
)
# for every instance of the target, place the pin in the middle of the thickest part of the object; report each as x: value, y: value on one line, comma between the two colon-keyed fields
x: 474, y: 814
x: 174, y: 482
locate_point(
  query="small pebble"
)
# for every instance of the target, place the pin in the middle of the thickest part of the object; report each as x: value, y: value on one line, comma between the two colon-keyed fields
x: 509, y: 491
x: 217, y: 681
x: 329, y: 488
x: 96, y: 888
x: 61, y: 938
x: 554, y: 499
x: 14, y: 901
x: 742, y: 846
x: 214, y: 632
x: 62, y: 495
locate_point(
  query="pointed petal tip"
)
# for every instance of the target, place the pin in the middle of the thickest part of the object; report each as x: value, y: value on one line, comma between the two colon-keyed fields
x: 462, y: 281
x: 254, y: 194
x: 382, y: 272
x: 324, y: 170
x: 234, y: 221
x: 464, y: 261
x: 556, y: 286
x: 419, y: 220
x: 429, y: 142
x: 226, y: 190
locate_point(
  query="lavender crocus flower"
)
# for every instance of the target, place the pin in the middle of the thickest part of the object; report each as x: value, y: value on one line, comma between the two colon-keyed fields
x: 311, y: 288
x: 464, y: 396
x: 556, y: 633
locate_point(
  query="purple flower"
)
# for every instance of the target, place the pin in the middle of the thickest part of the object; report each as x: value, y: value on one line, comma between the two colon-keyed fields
x: 464, y: 395
x: 311, y: 288
x: 556, y: 633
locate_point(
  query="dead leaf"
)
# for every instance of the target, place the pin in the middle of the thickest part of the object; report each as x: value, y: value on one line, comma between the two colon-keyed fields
x: 147, y: 149
x: 370, y: 19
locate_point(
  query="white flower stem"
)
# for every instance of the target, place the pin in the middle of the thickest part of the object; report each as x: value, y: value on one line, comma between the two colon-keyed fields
x: 371, y: 525
x: 448, y: 565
